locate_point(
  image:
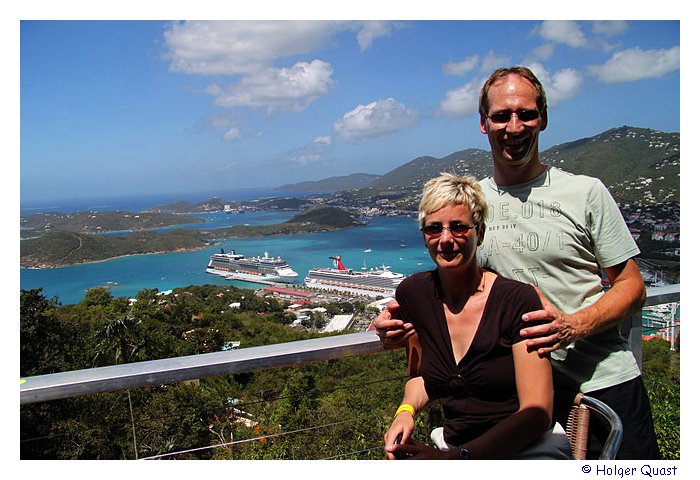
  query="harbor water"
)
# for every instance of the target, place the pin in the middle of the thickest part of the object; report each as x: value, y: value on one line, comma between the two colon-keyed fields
x: 391, y: 241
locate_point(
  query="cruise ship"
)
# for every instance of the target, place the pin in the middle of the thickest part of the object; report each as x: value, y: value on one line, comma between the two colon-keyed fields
x: 234, y: 266
x: 376, y: 281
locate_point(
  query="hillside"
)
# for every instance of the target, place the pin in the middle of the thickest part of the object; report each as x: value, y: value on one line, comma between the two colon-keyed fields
x: 332, y: 184
x: 60, y: 248
x: 219, y: 205
x: 99, y: 222
x: 320, y: 218
x: 412, y: 175
x: 637, y: 164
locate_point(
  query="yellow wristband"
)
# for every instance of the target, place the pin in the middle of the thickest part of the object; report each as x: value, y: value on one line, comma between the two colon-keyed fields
x: 405, y: 407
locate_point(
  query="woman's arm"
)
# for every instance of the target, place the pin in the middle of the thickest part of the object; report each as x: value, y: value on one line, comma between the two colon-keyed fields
x: 533, y: 377
x: 403, y: 424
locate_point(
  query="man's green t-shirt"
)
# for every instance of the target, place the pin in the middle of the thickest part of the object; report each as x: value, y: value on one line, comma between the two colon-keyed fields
x: 558, y: 232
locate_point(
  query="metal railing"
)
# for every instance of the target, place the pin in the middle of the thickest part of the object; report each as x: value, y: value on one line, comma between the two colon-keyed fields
x: 56, y: 386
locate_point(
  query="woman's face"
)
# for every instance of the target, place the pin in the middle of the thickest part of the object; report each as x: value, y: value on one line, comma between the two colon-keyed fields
x: 448, y: 250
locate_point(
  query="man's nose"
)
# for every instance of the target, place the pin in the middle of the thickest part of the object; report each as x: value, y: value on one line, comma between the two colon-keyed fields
x: 514, y: 123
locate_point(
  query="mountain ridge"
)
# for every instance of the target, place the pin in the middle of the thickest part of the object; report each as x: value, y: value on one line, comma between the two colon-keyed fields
x: 636, y: 164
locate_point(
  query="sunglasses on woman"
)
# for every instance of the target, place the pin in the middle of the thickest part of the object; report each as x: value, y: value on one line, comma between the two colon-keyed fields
x: 456, y: 229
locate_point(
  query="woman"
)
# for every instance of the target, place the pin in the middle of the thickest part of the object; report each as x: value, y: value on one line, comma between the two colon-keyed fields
x: 468, y: 355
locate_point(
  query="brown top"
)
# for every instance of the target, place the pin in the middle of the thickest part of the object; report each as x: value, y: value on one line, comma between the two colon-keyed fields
x: 480, y: 390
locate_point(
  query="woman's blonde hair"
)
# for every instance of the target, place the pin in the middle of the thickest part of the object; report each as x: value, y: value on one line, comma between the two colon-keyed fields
x: 449, y: 189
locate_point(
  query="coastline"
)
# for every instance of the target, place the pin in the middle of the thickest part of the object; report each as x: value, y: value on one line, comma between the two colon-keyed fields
x: 48, y: 266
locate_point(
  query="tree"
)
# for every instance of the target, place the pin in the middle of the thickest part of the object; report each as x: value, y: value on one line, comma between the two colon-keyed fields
x: 40, y: 334
x: 120, y: 341
x: 97, y: 297
x: 661, y: 374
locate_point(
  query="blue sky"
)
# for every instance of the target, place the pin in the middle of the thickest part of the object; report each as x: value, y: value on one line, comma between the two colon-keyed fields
x: 138, y: 107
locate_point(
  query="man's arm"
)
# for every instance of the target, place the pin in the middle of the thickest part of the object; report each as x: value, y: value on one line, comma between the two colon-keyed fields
x: 391, y: 330
x: 625, y: 297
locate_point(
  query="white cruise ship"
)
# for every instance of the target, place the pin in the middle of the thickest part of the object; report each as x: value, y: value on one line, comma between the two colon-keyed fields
x: 234, y: 266
x: 376, y: 281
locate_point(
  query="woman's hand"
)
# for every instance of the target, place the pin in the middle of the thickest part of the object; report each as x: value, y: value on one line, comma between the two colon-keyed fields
x: 399, y: 433
x: 416, y: 451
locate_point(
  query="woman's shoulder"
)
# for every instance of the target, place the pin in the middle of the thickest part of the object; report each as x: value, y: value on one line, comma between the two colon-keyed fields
x: 510, y: 287
x: 418, y: 280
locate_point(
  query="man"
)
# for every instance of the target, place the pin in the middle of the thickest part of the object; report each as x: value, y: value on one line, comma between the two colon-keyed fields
x: 556, y: 231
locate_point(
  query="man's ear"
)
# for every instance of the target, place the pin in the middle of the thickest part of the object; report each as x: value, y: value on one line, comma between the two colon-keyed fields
x: 482, y: 123
x: 543, y: 120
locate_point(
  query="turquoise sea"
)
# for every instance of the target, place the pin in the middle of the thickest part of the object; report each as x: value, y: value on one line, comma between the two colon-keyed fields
x: 393, y: 241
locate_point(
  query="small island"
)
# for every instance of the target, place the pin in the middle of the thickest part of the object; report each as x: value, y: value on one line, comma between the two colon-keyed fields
x: 60, y: 248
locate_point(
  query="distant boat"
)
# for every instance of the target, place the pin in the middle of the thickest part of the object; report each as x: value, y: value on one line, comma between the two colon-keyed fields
x: 368, y: 250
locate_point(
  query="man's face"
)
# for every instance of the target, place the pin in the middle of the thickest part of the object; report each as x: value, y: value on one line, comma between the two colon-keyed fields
x: 513, y: 143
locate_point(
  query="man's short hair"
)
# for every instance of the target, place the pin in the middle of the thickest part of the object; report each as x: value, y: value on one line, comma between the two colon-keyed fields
x: 501, y: 73
x: 449, y: 189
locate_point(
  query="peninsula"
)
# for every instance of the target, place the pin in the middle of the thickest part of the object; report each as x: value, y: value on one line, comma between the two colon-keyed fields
x: 59, y: 248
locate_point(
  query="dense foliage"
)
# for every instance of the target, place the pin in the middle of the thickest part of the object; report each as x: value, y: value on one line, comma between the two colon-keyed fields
x: 335, y: 409
x: 662, y: 377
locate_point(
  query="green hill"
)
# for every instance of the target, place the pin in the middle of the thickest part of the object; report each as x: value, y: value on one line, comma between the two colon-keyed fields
x: 332, y: 184
x: 637, y: 164
x: 412, y: 175
x: 100, y: 222
x: 320, y: 218
x: 61, y: 248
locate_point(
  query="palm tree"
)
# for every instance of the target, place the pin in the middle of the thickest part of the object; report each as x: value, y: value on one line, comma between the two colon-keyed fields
x: 120, y: 339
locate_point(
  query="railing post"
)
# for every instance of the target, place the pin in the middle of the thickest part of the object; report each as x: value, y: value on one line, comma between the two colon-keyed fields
x: 635, y: 338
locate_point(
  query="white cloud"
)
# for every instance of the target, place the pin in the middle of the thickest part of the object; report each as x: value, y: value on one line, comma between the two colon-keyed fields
x: 543, y: 52
x: 232, y: 134
x: 462, y: 101
x: 278, y: 88
x: 249, y: 50
x: 311, y: 153
x: 240, y: 47
x: 565, y: 84
x: 492, y: 61
x: 375, y: 119
x: 637, y: 64
x: 461, y: 68
x: 562, y: 85
x: 563, y: 31
x: 245, y: 47
x: 372, y: 30
x: 609, y: 27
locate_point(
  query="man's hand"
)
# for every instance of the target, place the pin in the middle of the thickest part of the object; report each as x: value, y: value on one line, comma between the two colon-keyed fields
x: 559, y: 332
x: 391, y: 330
